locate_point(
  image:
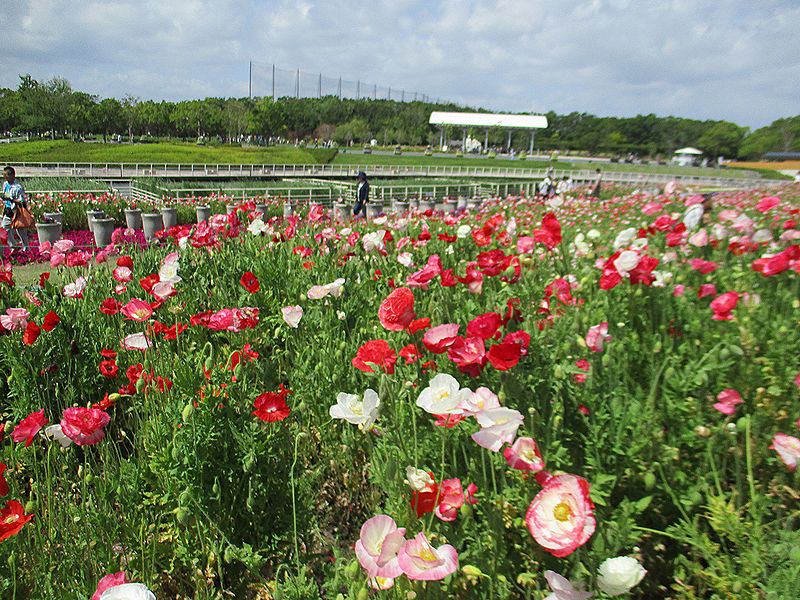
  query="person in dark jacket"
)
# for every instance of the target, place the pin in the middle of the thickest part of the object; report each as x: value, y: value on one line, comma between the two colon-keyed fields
x: 362, y: 195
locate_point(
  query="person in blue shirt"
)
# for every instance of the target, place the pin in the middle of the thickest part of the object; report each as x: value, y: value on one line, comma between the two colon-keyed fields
x: 13, y: 196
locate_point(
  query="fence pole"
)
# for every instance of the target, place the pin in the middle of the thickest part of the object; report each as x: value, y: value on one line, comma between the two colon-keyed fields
x: 340, y: 88
x: 319, y: 86
x: 273, y: 81
x: 358, y: 89
x: 297, y: 84
x: 250, y: 82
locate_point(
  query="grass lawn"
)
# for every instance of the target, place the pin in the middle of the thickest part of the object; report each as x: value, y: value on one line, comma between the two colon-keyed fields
x: 357, y: 158
x: 161, y: 152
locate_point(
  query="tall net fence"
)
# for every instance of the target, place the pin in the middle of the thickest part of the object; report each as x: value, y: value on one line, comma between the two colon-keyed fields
x: 271, y: 80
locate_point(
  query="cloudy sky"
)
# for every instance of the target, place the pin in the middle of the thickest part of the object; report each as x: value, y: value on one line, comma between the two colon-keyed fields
x: 706, y: 59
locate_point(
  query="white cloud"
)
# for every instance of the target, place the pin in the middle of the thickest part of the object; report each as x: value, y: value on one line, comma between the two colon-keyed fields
x: 735, y: 60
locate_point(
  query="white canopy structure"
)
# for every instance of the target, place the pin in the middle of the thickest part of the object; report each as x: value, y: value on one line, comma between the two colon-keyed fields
x: 686, y: 157
x: 487, y: 121
x: 689, y: 150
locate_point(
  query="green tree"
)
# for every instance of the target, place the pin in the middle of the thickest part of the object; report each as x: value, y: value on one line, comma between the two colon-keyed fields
x: 722, y: 139
x: 108, y: 117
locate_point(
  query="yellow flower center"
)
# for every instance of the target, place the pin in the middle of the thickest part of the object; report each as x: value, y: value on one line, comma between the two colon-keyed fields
x: 11, y: 519
x: 442, y: 395
x: 562, y: 511
x: 428, y: 555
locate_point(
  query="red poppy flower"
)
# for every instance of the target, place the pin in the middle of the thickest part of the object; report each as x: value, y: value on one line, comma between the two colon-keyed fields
x: 397, y: 310
x: 484, y: 326
x: 504, y: 355
x: 43, y: 278
x: 110, y: 306
x: 271, y: 406
x: 250, y: 282
x: 375, y: 352
x: 550, y: 233
x: 410, y: 353
x: 108, y: 354
x: 723, y: 304
x: 50, y: 321
x: 125, y: 261
x: 29, y: 427
x: 31, y: 333
x: 148, y: 282
x: 108, y: 368
x: 12, y: 519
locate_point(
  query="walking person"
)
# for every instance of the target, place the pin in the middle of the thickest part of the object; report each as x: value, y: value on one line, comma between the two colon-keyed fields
x: 13, y: 197
x: 362, y: 195
x: 597, y: 184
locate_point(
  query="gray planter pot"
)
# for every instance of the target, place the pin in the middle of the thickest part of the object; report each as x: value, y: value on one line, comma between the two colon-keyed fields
x: 427, y: 205
x: 262, y: 208
x: 413, y: 204
x: 151, y: 223
x: 461, y: 203
x: 474, y: 203
x: 102, y: 228
x: 169, y: 217
x: 340, y: 211
x: 203, y: 213
x: 400, y: 206
x: 288, y: 209
x: 56, y: 217
x: 48, y: 232
x: 133, y: 218
x: 374, y: 209
x: 94, y: 214
x: 450, y: 206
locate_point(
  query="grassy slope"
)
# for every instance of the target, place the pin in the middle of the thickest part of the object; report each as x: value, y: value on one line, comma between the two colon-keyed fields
x: 170, y: 152
x: 66, y: 151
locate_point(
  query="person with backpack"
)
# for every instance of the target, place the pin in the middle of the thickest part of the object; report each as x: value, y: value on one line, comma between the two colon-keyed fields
x: 13, y: 198
x: 362, y: 195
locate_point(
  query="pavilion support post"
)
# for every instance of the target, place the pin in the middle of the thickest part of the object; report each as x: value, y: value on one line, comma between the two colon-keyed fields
x: 464, y: 141
x: 486, y: 140
x: 533, y: 136
x: 508, y: 142
x: 441, y: 138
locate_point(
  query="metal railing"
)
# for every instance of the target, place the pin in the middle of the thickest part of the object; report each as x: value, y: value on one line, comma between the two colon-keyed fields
x: 113, y: 171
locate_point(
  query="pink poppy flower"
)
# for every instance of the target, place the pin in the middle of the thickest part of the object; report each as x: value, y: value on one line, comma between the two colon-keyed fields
x: 378, y: 545
x: 678, y: 290
x: 421, y: 561
x: 707, y: 289
x: 438, y: 339
x: 397, y: 310
x: 28, y: 427
x: 15, y: 318
x: 108, y: 581
x: 788, y: 449
x: 136, y: 341
x: 597, y: 336
x: 723, y: 304
x: 563, y: 588
x: 75, y: 289
x: 727, y: 400
x: 163, y: 290
x: 84, y: 426
x: 137, y: 310
x: 122, y: 274
x: 561, y: 516
x: 451, y: 499
x: 524, y: 455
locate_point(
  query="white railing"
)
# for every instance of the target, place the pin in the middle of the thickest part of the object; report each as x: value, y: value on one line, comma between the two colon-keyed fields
x: 189, y: 171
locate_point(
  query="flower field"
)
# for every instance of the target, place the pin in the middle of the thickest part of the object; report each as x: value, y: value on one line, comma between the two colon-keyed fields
x: 529, y: 400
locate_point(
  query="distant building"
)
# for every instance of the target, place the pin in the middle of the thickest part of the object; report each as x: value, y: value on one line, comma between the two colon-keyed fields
x: 781, y: 156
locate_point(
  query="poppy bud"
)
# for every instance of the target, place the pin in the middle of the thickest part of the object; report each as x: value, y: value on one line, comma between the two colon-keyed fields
x: 188, y: 410
x: 363, y: 594
x: 649, y: 481
x: 351, y: 570
x: 182, y: 515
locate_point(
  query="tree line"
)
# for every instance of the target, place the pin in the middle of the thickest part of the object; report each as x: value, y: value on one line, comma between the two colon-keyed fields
x: 52, y: 108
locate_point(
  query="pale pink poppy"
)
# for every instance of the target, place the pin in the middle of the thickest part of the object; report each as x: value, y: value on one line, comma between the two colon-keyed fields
x: 136, y: 341
x: 15, y: 318
x: 481, y: 399
x: 597, y: 336
x: 563, y: 589
x: 63, y: 246
x: 679, y: 290
x: 378, y: 545
x: 75, y: 289
x: 699, y: 239
x: 524, y: 455
x: 788, y: 449
x: 727, y: 400
x: 561, y: 516
x: 317, y: 292
x: 163, y: 290
x: 421, y: 561
x: 57, y: 259
x: 292, y: 315
x: 381, y: 583
x: 498, y: 427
